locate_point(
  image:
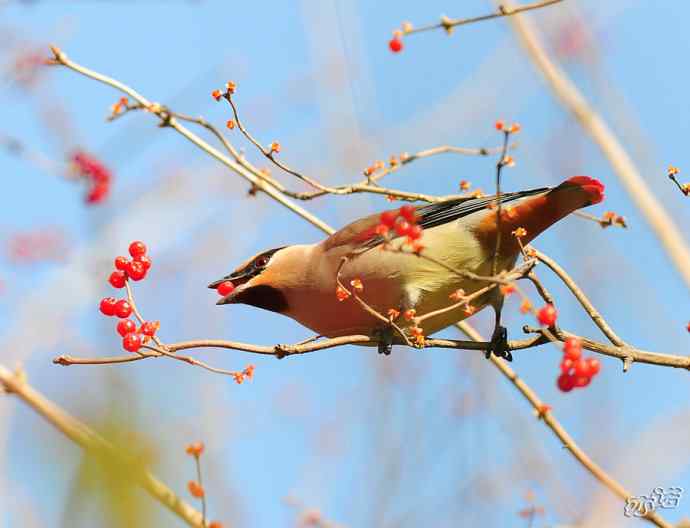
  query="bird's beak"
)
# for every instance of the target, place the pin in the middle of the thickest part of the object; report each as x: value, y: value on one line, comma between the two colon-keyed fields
x: 238, y: 279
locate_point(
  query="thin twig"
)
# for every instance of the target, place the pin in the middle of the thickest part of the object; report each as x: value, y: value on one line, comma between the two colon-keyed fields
x: 365, y: 185
x: 499, y: 167
x: 449, y: 23
x: 683, y: 187
x: 201, y: 485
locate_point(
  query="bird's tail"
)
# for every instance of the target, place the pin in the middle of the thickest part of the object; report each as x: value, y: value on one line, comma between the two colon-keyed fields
x: 581, y: 191
x: 535, y: 213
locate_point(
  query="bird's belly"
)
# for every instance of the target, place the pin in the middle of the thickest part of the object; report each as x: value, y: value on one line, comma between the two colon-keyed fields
x: 400, y: 281
x: 326, y: 315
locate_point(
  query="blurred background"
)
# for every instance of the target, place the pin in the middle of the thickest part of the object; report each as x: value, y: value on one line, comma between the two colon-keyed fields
x: 420, y: 438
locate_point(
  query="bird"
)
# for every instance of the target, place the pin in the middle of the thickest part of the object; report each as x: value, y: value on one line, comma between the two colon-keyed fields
x: 299, y: 281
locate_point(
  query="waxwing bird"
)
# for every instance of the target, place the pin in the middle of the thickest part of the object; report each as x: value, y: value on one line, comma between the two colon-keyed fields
x: 300, y: 280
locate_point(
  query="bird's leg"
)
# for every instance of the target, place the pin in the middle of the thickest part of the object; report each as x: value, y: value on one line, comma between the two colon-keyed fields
x: 499, y: 339
x: 385, y: 337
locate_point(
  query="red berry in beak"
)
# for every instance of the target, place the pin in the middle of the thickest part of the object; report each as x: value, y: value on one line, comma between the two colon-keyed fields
x: 225, y: 288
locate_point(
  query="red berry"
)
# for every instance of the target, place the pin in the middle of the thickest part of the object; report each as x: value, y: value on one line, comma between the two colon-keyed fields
x: 582, y: 368
x: 225, y: 288
x: 566, y: 365
x: 572, y: 348
x: 117, y: 279
x: 566, y: 382
x: 594, y: 366
x: 137, y: 249
x: 121, y: 263
x: 136, y: 270
x: 402, y: 227
x: 146, y: 261
x: 149, y: 328
x: 547, y: 315
x: 388, y: 218
x: 131, y: 342
x: 414, y: 232
x: 123, y: 309
x: 108, y: 306
x: 395, y: 45
x: 126, y: 326
x: 582, y: 381
x: 409, y: 213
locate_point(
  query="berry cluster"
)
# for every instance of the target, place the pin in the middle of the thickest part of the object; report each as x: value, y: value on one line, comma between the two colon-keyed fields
x: 576, y: 371
x: 403, y: 221
x: 135, y: 269
x: 225, y: 288
x: 39, y: 245
x: 97, y: 174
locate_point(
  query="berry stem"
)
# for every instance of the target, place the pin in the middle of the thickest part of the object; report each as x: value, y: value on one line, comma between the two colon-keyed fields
x: 130, y: 298
x: 201, y: 484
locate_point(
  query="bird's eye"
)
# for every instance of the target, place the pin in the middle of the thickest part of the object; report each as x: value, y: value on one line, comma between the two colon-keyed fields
x: 261, y: 261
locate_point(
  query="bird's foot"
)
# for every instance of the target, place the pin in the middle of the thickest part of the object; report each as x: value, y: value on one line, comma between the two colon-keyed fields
x: 385, y: 337
x: 499, y: 344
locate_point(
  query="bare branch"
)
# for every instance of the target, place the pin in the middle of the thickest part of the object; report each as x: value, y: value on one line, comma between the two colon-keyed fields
x: 170, y: 121
x: 544, y: 412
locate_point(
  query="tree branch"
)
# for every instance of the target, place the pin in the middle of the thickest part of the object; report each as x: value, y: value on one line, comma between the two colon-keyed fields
x: 449, y: 23
x: 571, y: 98
x: 544, y: 412
x: 89, y: 440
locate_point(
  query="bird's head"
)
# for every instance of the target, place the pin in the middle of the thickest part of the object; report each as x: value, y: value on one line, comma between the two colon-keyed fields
x: 263, y: 279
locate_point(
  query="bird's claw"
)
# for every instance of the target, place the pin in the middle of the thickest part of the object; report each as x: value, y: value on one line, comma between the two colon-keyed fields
x: 385, y: 337
x: 499, y: 344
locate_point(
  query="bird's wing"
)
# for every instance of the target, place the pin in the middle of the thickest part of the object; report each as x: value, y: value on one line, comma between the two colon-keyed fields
x: 362, y: 233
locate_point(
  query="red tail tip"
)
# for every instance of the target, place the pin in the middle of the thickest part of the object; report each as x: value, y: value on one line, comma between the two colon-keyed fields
x: 594, y: 188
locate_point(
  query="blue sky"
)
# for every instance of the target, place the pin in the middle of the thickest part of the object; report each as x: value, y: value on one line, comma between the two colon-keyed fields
x: 370, y: 441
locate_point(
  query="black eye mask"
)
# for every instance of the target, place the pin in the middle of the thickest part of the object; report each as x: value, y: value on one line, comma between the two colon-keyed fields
x: 254, y: 268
